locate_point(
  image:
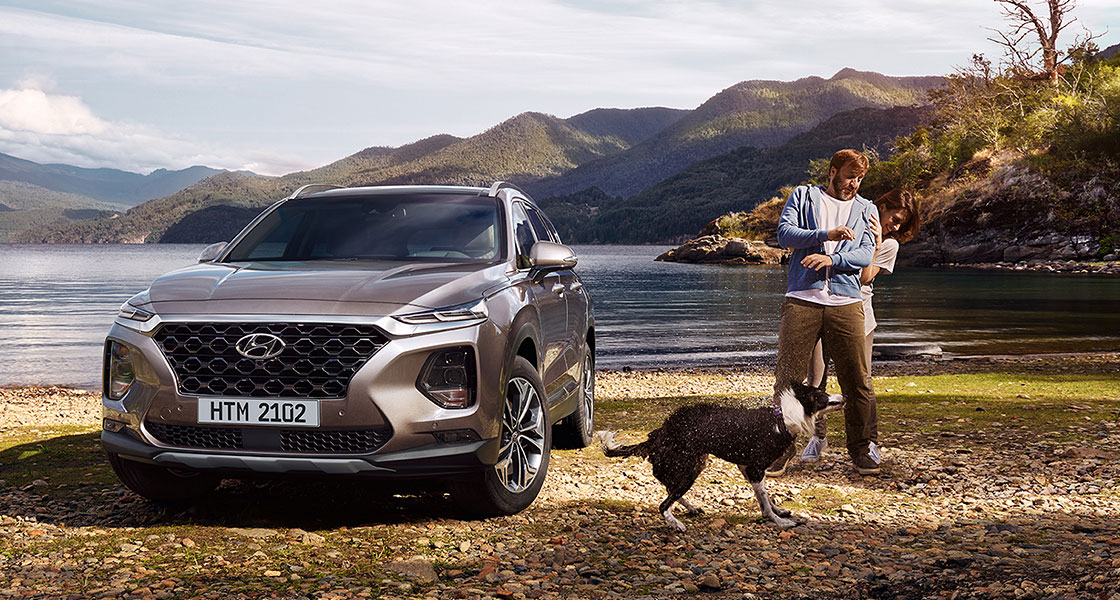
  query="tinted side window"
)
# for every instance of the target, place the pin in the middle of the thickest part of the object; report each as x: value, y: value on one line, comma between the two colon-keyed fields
x: 537, y: 219
x: 523, y: 233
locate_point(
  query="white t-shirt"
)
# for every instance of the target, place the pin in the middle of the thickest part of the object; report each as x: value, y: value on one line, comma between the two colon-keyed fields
x: 884, y: 259
x: 832, y: 213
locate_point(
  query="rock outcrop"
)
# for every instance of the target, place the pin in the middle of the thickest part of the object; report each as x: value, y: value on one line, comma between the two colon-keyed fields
x: 1012, y: 214
x: 716, y: 249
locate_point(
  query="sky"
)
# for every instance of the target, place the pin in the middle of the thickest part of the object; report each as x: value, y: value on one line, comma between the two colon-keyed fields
x: 280, y: 86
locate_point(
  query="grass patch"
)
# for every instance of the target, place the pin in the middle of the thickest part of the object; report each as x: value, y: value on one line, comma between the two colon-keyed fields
x: 1055, y: 403
x: 1042, y: 403
x: 647, y: 414
x: 68, y: 463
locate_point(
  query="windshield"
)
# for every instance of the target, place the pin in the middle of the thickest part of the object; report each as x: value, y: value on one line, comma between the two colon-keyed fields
x: 411, y: 227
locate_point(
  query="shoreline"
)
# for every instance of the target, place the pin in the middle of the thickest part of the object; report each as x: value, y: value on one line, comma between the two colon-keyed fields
x: 944, y: 365
x: 1056, y: 267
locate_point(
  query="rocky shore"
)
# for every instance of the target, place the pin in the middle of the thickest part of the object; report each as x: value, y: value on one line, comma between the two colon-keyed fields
x: 716, y: 249
x: 976, y: 500
x: 1045, y: 266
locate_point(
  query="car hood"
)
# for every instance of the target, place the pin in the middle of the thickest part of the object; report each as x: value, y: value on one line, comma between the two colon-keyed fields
x: 360, y: 287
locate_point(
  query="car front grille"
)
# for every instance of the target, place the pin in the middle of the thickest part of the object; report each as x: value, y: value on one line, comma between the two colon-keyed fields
x: 316, y: 361
x: 302, y: 441
x: 216, y: 438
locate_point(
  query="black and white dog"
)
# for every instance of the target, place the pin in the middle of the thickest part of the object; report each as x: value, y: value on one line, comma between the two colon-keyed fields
x: 751, y: 438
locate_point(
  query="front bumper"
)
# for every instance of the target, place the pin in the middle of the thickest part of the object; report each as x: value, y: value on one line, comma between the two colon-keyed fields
x: 434, y: 460
x: 382, y: 394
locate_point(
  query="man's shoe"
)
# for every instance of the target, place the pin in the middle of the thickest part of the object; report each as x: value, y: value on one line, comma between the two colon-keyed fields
x: 778, y: 467
x: 866, y: 465
x: 814, y: 449
x: 873, y: 451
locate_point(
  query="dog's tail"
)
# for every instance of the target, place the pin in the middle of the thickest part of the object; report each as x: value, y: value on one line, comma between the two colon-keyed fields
x: 611, y: 446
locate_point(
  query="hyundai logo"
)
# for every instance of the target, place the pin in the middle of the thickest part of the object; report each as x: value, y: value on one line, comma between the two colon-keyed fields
x: 259, y: 346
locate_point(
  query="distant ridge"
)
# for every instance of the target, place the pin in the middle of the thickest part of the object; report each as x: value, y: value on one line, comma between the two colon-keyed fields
x: 750, y: 113
x: 526, y: 147
x: 735, y: 181
x: 107, y: 185
x: 1109, y: 52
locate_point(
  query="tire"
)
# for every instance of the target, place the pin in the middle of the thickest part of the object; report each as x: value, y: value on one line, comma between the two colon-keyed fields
x: 160, y: 484
x: 511, y: 484
x: 578, y: 429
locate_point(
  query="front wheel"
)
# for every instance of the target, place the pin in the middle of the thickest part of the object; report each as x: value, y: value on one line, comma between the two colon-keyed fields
x: 160, y: 484
x: 578, y: 429
x: 516, y: 478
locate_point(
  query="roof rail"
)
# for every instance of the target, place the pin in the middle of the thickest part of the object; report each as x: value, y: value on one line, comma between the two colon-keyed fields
x: 312, y: 188
x: 500, y: 185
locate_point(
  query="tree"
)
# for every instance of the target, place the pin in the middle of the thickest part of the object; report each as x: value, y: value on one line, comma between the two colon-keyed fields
x: 1024, y: 23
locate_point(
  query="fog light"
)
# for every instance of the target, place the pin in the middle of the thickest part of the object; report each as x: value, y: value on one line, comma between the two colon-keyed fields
x: 448, y: 377
x: 119, y: 373
x: 112, y: 426
x: 456, y: 436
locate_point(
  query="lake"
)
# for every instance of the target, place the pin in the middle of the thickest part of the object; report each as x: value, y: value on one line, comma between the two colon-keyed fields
x: 57, y: 302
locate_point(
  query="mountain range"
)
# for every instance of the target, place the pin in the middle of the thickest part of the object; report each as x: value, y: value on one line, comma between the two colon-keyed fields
x: 52, y: 196
x: 738, y: 180
x: 612, y: 154
x: 107, y: 185
x: 750, y: 113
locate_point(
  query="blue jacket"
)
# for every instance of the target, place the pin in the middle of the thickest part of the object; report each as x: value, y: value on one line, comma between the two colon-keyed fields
x: 797, y: 229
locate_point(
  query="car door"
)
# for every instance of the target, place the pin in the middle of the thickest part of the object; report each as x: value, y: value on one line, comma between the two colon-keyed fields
x: 546, y: 292
x: 575, y: 301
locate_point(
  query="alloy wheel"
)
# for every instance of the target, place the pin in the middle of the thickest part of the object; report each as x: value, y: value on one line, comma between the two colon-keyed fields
x: 588, y: 393
x: 522, y: 440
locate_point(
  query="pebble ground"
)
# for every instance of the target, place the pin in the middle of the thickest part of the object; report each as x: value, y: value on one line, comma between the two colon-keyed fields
x: 1012, y: 512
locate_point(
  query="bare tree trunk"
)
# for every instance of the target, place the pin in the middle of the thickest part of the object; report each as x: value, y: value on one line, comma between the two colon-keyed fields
x: 1024, y: 23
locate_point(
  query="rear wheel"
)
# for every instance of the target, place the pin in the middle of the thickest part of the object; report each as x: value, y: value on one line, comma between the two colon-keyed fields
x: 160, y: 484
x: 578, y: 429
x: 516, y: 478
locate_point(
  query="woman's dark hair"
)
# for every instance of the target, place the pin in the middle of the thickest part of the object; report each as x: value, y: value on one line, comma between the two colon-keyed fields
x: 902, y: 200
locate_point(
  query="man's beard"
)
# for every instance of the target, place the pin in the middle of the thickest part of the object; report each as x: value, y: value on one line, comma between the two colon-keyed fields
x: 846, y: 193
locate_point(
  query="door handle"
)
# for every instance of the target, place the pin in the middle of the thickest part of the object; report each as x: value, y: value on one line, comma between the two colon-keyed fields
x: 577, y: 286
x: 558, y: 288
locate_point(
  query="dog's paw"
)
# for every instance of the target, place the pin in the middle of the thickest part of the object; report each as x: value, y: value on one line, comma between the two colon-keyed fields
x: 785, y: 523
x: 781, y: 512
x: 676, y: 526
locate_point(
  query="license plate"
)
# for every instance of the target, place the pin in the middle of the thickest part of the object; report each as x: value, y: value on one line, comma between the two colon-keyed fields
x: 231, y: 411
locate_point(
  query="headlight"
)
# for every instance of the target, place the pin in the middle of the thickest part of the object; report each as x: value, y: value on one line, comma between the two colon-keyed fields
x: 448, y: 377
x: 463, y: 312
x: 119, y: 372
x: 128, y: 311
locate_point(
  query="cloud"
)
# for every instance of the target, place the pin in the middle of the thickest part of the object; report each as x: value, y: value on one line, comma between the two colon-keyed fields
x: 50, y: 128
x: 30, y: 110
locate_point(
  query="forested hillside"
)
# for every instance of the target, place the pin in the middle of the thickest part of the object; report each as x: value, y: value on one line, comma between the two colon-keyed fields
x: 1013, y: 168
x: 736, y: 181
x: 24, y: 206
x: 751, y: 113
x: 526, y: 147
x: 107, y: 185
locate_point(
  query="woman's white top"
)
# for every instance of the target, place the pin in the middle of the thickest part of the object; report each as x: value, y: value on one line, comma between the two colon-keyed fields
x: 884, y: 259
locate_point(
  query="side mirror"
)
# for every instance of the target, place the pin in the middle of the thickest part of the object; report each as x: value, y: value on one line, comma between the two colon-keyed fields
x: 548, y: 256
x: 212, y: 252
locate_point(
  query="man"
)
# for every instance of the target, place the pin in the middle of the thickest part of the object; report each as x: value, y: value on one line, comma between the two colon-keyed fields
x: 829, y: 233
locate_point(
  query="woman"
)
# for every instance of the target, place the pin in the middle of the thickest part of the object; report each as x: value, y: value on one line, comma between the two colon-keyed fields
x: 897, y: 224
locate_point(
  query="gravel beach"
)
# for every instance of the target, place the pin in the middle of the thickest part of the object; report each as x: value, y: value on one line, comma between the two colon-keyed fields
x: 970, y: 505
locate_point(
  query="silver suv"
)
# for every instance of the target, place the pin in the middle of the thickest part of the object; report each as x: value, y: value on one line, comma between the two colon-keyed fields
x: 398, y: 332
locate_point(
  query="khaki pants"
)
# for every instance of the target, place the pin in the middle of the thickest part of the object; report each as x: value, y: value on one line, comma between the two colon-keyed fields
x: 816, y: 372
x: 840, y: 330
